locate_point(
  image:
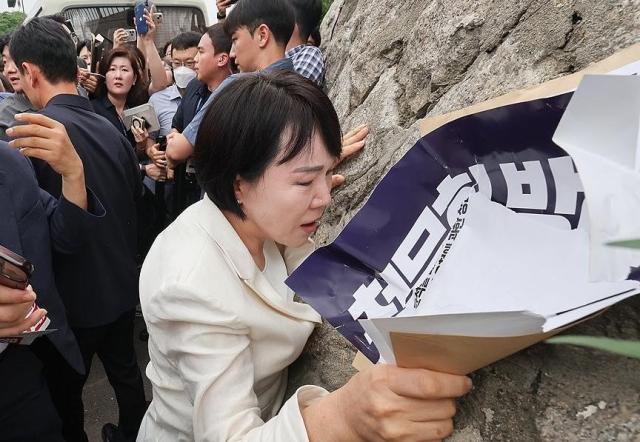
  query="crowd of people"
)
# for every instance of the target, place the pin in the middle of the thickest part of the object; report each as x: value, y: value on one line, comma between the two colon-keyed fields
x: 199, y: 222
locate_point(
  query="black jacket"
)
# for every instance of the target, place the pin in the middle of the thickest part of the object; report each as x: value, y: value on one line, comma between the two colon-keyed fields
x: 194, y: 97
x: 104, y: 107
x: 32, y: 224
x: 100, y: 282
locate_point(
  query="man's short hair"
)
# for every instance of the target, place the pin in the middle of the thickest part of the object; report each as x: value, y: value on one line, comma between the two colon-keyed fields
x: 47, y: 44
x: 220, y: 40
x: 308, y: 15
x: 276, y: 14
x: 186, y: 40
x: 253, y: 122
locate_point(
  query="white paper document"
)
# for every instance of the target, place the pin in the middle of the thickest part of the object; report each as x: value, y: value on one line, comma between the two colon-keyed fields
x: 601, y: 131
x: 506, y: 275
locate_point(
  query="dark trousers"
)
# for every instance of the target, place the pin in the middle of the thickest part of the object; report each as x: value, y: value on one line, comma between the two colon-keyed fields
x: 113, y: 343
x: 27, y: 413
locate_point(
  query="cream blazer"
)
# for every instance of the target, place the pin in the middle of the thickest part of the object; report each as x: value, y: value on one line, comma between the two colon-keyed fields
x: 220, y: 337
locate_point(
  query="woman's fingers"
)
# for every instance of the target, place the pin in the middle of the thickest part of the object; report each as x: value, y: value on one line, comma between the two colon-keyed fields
x: 354, y: 141
x: 416, y: 410
x: 426, y: 384
x: 356, y: 131
x: 337, y: 181
x: 418, y: 431
x: 351, y: 149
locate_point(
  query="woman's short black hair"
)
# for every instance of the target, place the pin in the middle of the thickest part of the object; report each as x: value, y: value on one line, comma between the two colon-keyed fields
x: 255, y: 121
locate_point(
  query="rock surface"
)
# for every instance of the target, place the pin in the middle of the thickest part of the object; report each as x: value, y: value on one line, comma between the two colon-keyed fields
x: 391, y: 63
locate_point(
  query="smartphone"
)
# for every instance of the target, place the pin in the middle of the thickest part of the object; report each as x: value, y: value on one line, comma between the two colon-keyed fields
x: 141, y: 23
x: 157, y: 17
x: 162, y: 141
x: 97, y: 48
x: 132, y: 36
x: 15, y: 271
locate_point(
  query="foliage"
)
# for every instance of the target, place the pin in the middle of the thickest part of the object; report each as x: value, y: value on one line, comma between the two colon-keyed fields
x: 625, y: 348
x: 631, y: 244
x: 10, y: 21
x: 325, y: 6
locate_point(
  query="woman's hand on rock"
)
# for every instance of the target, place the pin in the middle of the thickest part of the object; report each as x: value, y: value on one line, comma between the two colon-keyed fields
x: 352, y: 143
x: 387, y: 403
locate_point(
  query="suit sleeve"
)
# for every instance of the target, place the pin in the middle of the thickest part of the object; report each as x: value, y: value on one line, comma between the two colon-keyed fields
x: 70, y: 226
x: 211, y: 350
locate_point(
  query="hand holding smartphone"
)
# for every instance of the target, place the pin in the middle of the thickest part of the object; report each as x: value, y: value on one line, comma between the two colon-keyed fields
x: 141, y: 22
x: 15, y: 271
x: 19, y: 313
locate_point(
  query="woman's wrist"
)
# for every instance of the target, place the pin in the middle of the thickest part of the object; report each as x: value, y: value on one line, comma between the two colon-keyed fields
x: 324, y: 419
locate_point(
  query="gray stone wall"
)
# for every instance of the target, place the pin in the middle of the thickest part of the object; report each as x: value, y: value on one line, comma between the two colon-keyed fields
x: 393, y: 62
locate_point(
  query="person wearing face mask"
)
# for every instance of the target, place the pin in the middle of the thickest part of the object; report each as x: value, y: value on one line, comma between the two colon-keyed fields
x: 166, y: 102
x: 212, y: 64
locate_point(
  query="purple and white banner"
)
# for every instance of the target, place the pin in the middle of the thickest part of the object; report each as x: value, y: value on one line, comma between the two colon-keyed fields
x: 382, y: 263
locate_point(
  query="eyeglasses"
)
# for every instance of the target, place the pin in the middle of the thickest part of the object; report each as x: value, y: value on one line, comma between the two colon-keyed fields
x: 177, y: 63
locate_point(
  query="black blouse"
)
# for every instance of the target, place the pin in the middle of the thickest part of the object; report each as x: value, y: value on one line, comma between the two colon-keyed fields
x: 103, y: 106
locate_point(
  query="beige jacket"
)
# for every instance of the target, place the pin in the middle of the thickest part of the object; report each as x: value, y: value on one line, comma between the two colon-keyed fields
x: 220, y: 337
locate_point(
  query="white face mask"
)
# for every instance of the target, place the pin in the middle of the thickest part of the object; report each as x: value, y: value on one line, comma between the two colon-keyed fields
x: 183, y: 75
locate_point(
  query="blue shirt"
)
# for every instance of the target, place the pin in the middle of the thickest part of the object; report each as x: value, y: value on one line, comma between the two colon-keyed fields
x: 165, y: 103
x: 191, y: 131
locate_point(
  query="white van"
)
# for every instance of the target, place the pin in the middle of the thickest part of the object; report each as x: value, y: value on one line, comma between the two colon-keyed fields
x: 105, y: 16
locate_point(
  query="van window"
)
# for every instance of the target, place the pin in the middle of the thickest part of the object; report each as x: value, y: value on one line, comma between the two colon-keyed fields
x: 105, y: 20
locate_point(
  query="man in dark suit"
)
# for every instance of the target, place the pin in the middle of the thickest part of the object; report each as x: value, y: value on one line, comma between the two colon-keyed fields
x: 32, y: 224
x: 99, y: 285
